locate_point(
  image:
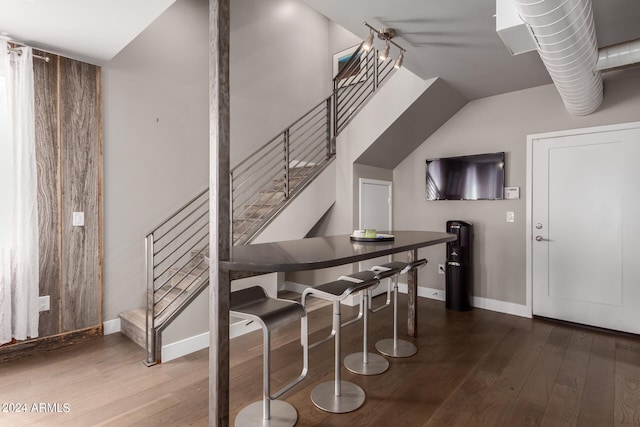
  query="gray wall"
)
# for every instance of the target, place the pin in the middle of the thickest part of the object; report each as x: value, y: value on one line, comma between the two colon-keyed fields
x: 155, y: 141
x: 156, y: 137
x: 499, y: 123
x: 279, y: 69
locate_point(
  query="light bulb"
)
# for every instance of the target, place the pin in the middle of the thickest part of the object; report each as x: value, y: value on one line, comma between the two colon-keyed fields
x: 384, y: 53
x: 399, y: 61
x: 368, y: 42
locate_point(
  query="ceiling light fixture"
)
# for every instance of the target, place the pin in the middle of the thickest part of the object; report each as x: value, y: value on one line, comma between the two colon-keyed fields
x: 368, y: 42
x: 399, y: 61
x: 385, y: 34
x: 384, y: 53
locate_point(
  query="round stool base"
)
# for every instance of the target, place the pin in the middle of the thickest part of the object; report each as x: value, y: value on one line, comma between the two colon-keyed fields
x: 351, y: 398
x: 403, y: 349
x: 377, y: 364
x: 283, y: 414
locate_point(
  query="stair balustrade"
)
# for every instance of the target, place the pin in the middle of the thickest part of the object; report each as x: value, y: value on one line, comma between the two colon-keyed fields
x: 262, y: 185
x: 177, y: 269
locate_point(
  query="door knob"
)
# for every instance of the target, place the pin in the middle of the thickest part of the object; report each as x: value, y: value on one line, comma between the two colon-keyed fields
x: 539, y: 238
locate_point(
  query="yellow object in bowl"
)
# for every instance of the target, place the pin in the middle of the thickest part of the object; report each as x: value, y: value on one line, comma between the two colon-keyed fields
x: 370, y: 233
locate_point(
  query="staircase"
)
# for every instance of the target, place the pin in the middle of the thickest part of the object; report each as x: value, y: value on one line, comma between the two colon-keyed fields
x: 262, y: 186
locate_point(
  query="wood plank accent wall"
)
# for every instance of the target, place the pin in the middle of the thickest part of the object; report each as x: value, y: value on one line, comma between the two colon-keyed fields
x: 47, y: 155
x: 81, y: 156
x: 69, y: 155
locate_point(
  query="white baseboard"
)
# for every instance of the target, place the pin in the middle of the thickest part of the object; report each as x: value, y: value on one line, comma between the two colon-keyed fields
x: 478, y: 302
x: 437, y: 294
x: 501, y: 306
x: 111, y: 326
x: 242, y: 327
x: 184, y: 347
x: 198, y: 342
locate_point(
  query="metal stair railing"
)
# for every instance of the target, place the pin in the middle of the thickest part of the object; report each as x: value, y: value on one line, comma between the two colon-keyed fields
x: 262, y: 185
x: 362, y: 75
x: 177, y: 270
x: 267, y: 180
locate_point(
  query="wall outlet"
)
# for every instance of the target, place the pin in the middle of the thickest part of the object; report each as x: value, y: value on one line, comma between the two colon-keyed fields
x: 44, y: 303
x: 441, y: 268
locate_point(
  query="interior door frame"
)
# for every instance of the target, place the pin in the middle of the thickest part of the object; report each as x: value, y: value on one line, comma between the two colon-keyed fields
x: 388, y: 184
x: 531, y: 140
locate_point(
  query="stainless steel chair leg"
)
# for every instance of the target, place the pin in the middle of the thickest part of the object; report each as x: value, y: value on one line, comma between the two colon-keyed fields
x: 366, y: 363
x: 396, y: 347
x: 337, y: 396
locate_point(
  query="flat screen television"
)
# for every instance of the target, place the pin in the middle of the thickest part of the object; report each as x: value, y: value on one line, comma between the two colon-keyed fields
x: 476, y: 177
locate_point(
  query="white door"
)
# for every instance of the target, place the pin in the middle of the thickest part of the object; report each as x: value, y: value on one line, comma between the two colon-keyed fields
x: 375, y: 212
x: 585, y: 248
x: 375, y: 204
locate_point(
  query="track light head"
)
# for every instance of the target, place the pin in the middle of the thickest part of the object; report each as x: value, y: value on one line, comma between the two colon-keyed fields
x: 368, y: 42
x: 384, y: 53
x: 399, y: 61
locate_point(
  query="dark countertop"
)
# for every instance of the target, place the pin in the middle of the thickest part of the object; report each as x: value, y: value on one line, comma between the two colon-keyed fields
x: 322, y: 252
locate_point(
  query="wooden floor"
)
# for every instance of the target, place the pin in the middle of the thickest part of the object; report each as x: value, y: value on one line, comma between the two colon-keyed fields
x: 476, y: 368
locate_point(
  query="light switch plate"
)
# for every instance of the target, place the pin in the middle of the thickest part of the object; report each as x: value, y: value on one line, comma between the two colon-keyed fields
x: 44, y: 303
x: 78, y: 219
x: 511, y: 216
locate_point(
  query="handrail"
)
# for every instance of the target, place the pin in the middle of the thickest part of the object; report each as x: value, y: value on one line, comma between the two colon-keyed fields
x: 186, y: 232
x: 178, y: 211
x: 280, y: 133
x: 261, y: 186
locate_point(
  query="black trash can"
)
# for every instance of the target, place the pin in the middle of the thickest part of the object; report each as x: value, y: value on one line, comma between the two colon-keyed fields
x: 459, y: 267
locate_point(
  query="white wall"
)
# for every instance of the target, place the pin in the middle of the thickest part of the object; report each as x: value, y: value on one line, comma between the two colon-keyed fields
x: 156, y: 110
x: 499, y: 123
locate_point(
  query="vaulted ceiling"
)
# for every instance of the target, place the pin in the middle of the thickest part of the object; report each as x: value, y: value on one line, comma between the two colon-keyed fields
x: 457, y: 40
x: 93, y: 31
x: 453, y: 40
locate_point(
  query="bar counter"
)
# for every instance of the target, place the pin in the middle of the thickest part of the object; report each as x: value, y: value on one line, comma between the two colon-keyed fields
x: 323, y: 252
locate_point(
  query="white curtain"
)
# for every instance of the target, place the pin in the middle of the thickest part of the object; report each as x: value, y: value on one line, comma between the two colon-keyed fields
x: 19, y: 269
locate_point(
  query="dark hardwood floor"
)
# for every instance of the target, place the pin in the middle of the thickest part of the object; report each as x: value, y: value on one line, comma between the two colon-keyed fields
x: 476, y: 368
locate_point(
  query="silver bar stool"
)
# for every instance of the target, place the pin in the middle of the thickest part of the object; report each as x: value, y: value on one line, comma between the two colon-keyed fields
x: 336, y: 396
x: 395, y: 347
x: 364, y: 362
x: 254, y: 304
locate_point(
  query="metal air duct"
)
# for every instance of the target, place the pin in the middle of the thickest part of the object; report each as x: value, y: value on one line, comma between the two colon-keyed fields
x: 566, y: 40
x: 619, y: 55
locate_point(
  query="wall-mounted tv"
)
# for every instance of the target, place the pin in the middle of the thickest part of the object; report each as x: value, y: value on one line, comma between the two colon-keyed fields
x: 476, y: 177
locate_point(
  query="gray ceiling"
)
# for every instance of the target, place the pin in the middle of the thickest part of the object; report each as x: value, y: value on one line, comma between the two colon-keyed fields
x: 457, y: 40
x: 93, y: 31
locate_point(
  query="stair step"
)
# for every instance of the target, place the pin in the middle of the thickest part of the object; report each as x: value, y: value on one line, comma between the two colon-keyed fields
x: 167, y: 296
x: 133, y: 324
x: 256, y: 212
x: 198, y: 259
x: 240, y: 226
x: 176, y: 300
x: 272, y: 197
